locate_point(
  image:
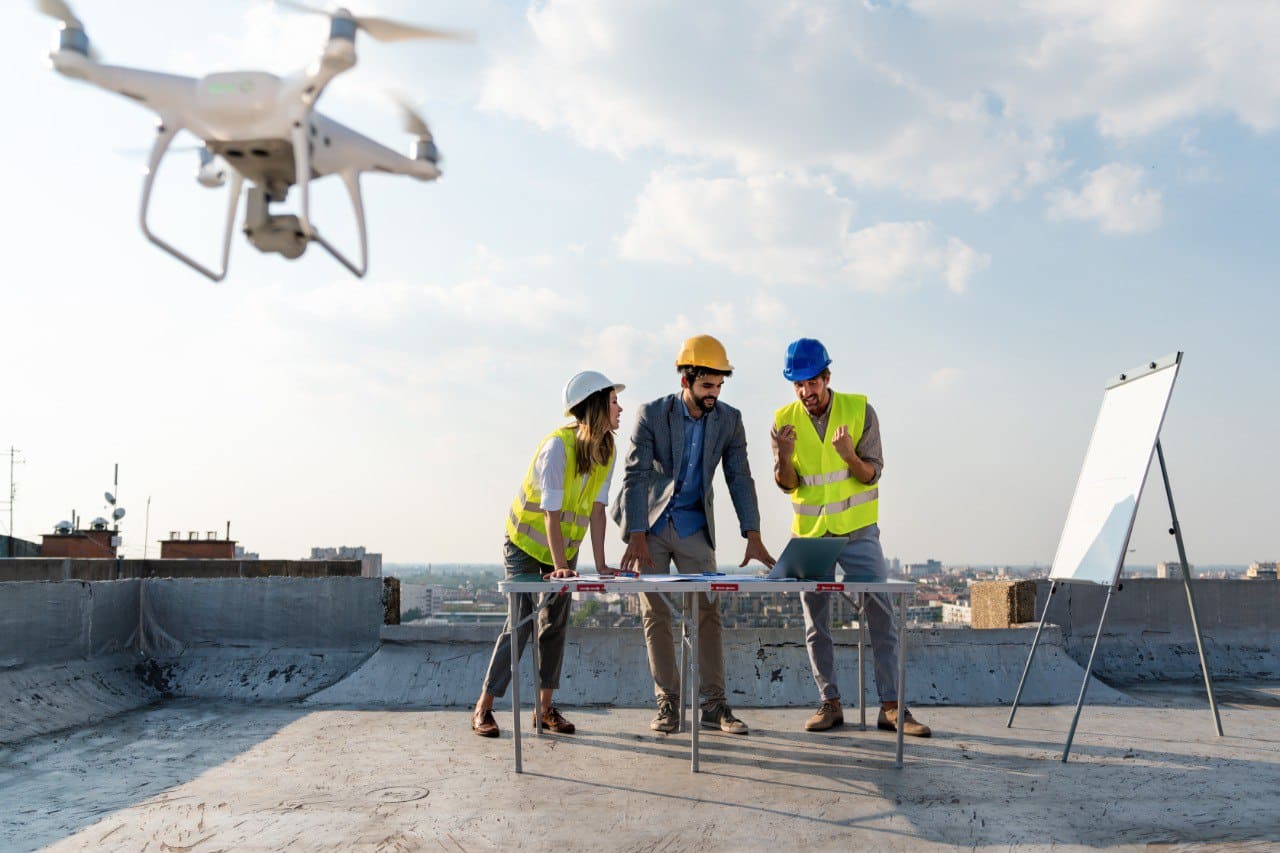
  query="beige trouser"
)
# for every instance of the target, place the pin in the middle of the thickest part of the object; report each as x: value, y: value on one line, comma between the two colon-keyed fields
x: 692, y: 555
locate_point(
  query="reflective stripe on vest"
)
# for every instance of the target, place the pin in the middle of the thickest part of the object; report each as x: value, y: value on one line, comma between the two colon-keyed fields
x: 566, y: 517
x: 538, y: 534
x: 826, y: 479
x: 526, y: 520
x: 838, y: 506
x: 828, y: 498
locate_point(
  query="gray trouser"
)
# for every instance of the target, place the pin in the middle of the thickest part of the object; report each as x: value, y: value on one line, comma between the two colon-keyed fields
x: 861, y: 560
x: 553, y: 619
x: 692, y: 554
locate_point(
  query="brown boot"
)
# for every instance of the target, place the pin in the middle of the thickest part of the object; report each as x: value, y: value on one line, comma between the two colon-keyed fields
x: 829, y: 715
x: 554, y: 721
x: 483, y: 723
x: 889, y: 716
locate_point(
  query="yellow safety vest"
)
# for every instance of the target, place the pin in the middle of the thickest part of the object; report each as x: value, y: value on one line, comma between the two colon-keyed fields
x: 526, y: 521
x: 829, y: 499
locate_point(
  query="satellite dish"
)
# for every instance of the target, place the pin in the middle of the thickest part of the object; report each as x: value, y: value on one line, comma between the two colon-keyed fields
x: 118, y: 513
x: 111, y: 499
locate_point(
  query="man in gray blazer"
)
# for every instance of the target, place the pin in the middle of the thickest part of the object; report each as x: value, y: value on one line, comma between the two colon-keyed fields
x: 665, y: 510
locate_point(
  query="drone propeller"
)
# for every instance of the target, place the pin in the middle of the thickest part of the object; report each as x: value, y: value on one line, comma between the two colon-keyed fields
x: 59, y: 10
x: 73, y: 28
x: 382, y: 29
x: 413, y: 123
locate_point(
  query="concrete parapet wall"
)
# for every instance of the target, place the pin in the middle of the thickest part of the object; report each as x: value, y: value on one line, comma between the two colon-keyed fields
x: 1148, y: 634
x: 444, y: 665
x: 98, y: 569
x: 77, y: 652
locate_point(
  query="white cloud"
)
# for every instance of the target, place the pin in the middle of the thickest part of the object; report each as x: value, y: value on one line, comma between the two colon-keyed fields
x: 943, y: 379
x: 935, y: 98
x: 1113, y: 196
x: 789, y: 230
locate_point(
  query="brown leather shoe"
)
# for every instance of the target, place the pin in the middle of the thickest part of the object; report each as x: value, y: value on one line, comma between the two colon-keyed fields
x: 483, y: 723
x: 829, y: 715
x: 909, y: 724
x: 554, y: 721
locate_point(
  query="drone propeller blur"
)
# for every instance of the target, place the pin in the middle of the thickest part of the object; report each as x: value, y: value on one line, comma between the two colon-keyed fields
x: 263, y: 129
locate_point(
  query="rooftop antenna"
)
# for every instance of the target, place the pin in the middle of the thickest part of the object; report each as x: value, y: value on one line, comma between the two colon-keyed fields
x: 13, y: 494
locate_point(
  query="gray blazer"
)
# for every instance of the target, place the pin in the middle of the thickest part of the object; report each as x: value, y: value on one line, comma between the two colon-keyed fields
x: 657, y: 445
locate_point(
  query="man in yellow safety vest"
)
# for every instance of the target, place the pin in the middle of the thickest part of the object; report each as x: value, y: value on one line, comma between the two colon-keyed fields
x: 828, y: 457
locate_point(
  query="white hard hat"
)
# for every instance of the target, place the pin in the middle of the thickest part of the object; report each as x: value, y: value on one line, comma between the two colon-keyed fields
x: 583, y: 385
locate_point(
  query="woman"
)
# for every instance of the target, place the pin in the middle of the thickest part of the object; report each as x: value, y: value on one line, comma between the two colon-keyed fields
x: 565, y: 491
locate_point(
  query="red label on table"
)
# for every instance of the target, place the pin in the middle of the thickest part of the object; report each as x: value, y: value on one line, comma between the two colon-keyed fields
x: 829, y: 587
x: 724, y: 587
x: 590, y: 587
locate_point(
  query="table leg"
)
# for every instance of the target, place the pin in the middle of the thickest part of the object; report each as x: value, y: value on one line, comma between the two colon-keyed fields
x: 862, y: 667
x: 695, y: 688
x: 513, y: 609
x: 537, y: 679
x: 902, y: 670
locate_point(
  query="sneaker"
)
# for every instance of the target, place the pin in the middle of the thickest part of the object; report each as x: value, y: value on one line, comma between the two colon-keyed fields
x: 720, y: 717
x: 554, y: 721
x: 483, y: 723
x: 889, y: 716
x: 668, y: 719
x: 828, y: 715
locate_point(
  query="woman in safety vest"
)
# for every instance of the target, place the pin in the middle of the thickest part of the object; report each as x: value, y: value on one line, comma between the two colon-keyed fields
x: 564, y: 493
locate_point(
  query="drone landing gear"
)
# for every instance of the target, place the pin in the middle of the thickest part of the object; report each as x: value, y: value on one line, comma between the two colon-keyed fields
x: 351, y: 179
x: 163, y: 139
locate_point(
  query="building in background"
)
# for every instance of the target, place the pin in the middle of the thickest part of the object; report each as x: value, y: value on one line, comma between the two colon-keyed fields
x: 1172, y: 569
x: 371, y: 563
x: 1261, y: 571
x: 959, y: 613
x: 427, y: 599
x: 211, y: 547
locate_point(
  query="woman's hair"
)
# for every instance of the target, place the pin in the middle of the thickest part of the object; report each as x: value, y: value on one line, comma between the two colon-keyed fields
x: 595, y: 439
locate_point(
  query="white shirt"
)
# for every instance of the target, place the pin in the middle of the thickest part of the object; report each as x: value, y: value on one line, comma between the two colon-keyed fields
x: 548, y: 470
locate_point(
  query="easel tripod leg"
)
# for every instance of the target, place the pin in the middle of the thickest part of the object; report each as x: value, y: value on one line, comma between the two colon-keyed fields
x: 1053, y: 586
x: 1088, y: 671
x: 1176, y: 530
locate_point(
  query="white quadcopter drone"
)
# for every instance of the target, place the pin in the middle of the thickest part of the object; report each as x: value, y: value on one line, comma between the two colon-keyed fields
x: 262, y: 128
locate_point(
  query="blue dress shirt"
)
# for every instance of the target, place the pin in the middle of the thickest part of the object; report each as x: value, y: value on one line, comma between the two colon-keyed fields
x: 685, y: 510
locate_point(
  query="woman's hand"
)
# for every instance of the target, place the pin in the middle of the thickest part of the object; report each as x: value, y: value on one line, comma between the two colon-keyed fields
x: 563, y: 573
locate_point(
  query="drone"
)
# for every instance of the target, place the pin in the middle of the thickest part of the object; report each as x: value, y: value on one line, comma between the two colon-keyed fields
x: 263, y: 129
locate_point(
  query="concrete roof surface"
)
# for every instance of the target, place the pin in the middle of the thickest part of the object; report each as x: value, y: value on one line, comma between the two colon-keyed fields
x: 206, y: 776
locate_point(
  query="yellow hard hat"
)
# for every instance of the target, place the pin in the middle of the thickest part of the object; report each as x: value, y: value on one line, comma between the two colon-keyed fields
x: 703, y: 351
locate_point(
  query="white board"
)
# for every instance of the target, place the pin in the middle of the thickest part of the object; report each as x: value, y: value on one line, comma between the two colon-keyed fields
x: 1096, y: 533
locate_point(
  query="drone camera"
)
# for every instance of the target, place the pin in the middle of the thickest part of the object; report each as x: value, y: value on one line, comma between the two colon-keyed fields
x: 278, y: 233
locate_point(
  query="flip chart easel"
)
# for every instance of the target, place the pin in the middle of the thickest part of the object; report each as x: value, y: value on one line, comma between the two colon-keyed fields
x: 1095, y: 537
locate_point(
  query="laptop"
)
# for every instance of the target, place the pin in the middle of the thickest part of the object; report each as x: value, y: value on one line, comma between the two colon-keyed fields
x: 809, y: 559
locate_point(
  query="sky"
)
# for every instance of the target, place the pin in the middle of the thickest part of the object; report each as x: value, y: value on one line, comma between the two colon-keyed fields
x: 984, y: 209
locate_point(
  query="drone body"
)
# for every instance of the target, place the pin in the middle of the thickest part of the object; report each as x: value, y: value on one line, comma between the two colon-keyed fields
x: 261, y: 129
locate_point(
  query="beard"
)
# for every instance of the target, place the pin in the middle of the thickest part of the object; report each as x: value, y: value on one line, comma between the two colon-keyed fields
x: 706, y: 404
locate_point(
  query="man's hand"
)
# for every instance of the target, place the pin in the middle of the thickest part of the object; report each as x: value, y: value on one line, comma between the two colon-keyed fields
x: 563, y: 573
x: 784, y: 439
x: 843, y: 444
x: 637, y: 558
x: 756, y: 551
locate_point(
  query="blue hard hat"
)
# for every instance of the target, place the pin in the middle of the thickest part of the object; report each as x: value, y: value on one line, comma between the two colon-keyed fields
x: 806, y: 358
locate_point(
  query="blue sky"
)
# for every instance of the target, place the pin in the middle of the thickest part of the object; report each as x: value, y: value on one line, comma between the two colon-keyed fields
x: 985, y: 210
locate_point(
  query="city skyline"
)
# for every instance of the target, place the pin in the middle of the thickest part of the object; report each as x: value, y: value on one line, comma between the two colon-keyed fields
x: 984, y: 211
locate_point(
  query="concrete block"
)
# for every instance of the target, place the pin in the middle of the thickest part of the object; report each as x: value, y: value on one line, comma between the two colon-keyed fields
x: 391, y: 601
x: 1002, y: 604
